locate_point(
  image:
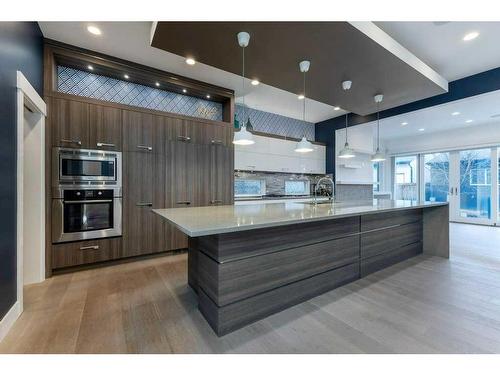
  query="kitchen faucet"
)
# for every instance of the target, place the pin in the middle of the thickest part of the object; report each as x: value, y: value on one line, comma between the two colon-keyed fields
x: 325, y: 178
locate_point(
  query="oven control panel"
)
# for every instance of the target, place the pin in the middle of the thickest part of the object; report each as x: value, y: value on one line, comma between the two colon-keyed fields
x: 73, y: 195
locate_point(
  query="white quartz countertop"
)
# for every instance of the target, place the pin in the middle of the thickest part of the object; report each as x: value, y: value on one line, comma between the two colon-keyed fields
x: 203, y: 221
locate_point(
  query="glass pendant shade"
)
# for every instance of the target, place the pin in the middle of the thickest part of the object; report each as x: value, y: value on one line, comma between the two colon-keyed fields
x: 243, y: 137
x: 346, y: 152
x: 304, y: 146
x: 378, y: 156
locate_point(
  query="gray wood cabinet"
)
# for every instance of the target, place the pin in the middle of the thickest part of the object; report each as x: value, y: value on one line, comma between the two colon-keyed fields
x: 69, y: 122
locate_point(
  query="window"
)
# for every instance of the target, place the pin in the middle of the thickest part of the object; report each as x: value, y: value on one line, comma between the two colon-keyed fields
x: 300, y: 187
x: 405, y: 177
x: 480, y: 177
x: 376, y: 176
x: 248, y: 188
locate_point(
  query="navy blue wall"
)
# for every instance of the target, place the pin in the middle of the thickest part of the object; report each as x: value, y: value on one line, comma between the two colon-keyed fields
x: 469, y: 86
x: 21, y: 48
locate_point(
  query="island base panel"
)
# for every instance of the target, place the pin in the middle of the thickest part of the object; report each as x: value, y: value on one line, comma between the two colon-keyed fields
x: 228, y: 318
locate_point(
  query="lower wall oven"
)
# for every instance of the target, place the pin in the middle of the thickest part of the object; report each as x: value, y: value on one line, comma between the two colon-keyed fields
x: 82, y: 214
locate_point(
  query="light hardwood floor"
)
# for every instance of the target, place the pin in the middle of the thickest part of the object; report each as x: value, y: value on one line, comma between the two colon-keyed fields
x: 423, y: 305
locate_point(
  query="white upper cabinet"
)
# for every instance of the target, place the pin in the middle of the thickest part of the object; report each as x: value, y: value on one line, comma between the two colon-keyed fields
x: 278, y: 155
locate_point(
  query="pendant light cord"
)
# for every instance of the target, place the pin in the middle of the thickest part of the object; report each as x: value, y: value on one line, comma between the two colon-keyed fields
x: 243, y: 85
x: 346, y: 127
x: 304, y: 104
x: 378, y: 126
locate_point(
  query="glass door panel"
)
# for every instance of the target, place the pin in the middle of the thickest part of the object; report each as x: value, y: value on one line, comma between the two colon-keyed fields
x: 474, y: 186
x: 436, y: 177
x: 405, y: 177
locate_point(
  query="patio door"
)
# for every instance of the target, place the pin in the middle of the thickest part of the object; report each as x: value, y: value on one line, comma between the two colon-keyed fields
x: 472, y: 195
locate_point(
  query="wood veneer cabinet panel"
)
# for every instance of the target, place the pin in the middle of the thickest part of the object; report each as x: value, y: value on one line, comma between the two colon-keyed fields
x: 137, y: 131
x: 387, y: 219
x: 85, y: 252
x: 251, y: 276
x: 105, y: 127
x: 384, y: 260
x: 137, y: 203
x: 385, y: 240
x: 69, y: 122
x: 238, y: 245
x: 236, y: 315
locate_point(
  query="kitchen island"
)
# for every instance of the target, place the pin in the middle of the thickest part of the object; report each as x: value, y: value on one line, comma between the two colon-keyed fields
x: 248, y: 262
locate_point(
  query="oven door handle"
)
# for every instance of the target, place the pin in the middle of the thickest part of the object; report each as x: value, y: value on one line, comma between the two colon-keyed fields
x: 91, y: 201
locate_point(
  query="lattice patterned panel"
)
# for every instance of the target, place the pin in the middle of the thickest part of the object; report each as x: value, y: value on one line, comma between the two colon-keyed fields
x: 272, y: 123
x: 90, y: 85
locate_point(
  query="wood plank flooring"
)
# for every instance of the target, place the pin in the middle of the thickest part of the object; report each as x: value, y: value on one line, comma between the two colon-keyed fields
x: 423, y: 305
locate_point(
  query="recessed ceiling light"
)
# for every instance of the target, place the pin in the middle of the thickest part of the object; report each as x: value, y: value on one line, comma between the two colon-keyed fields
x: 157, y: 84
x: 455, y: 113
x: 421, y: 129
x: 300, y: 97
x: 255, y: 82
x: 468, y: 121
x: 404, y: 123
x: 94, y: 30
x: 190, y: 61
x: 184, y: 91
x: 126, y: 76
x: 90, y: 67
x: 470, y: 36
x: 208, y: 96
x: 336, y: 108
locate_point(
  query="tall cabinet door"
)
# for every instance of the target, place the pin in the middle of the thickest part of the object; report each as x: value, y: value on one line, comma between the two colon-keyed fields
x: 137, y: 203
x: 105, y: 128
x: 181, y: 174
x: 69, y: 123
x: 221, y: 174
x: 137, y: 131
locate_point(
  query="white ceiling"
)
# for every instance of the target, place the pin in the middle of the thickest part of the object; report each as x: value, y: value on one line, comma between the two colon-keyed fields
x: 440, y: 45
x: 131, y: 41
x: 439, y: 118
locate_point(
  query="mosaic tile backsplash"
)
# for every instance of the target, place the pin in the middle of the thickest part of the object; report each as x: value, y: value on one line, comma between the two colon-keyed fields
x: 95, y: 86
x: 272, y: 123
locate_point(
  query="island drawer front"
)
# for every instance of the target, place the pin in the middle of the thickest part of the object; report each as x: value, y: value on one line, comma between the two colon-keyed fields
x: 232, y: 246
x: 236, y: 315
x: 387, y: 219
x: 385, y: 240
x: 85, y: 252
x: 382, y: 261
x: 248, y: 277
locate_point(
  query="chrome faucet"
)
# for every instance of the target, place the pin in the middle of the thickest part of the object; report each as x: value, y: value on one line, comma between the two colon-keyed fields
x: 325, y: 178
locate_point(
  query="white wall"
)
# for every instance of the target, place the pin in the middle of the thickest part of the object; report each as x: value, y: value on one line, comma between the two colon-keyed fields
x: 358, y: 170
x: 462, y: 138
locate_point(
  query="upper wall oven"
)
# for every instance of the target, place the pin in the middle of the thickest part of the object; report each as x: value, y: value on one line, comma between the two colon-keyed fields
x: 86, y: 167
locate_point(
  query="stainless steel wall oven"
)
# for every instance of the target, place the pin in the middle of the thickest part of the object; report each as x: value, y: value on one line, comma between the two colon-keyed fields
x: 87, y: 194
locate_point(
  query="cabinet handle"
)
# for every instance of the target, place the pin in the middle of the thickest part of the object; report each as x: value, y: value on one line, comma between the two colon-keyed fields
x: 183, y: 138
x: 93, y: 247
x: 216, y: 142
x: 147, y: 148
x: 75, y: 141
x: 90, y: 201
x: 102, y: 144
x: 144, y: 204
x: 215, y: 201
x: 184, y: 202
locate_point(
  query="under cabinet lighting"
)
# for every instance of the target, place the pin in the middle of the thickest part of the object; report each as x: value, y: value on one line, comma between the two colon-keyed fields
x: 190, y: 61
x: 157, y: 84
x: 208, y: 96
x: 300, y: 97
x: 90, y: 67
x: 336, y: 108
x: 126, y: 76
x: 255, y: 82
x: 184, y: 91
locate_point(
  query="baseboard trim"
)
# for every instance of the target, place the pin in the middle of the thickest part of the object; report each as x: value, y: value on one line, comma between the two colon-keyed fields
x: 9, y: 319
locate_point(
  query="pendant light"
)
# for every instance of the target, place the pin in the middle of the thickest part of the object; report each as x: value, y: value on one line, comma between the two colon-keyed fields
x: 378, y: 156
x: 243, y: 137
x: 346, y: 152
x: 304, y: 145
